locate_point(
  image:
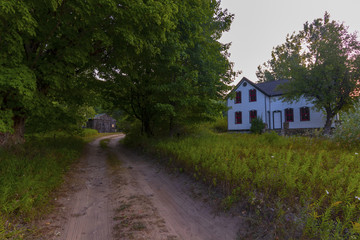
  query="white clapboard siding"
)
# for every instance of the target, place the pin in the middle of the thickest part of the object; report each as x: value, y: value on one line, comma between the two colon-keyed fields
x: 270, y: 107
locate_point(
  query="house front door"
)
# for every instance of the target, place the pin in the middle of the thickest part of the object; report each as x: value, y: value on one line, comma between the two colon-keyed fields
x: 277, y: 119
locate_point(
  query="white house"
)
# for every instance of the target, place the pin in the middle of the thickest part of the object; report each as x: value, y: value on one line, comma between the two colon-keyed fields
x: 263, y: 100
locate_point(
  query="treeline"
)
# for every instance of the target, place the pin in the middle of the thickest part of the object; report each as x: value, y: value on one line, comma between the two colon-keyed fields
x: 158, y: 61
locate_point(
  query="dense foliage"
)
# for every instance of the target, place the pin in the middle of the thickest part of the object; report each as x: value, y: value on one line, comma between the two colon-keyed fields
x: 183, y: 78
x: 304, y: 188
x: 47, y: 50
x: 348, y: 129
x: 323, y: 64
x: 159, y: 59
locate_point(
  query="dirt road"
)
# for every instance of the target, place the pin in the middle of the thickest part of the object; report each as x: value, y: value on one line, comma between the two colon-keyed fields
x: 113, y: 193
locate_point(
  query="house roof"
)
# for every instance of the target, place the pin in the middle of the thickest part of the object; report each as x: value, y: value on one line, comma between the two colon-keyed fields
x: 268, y: 88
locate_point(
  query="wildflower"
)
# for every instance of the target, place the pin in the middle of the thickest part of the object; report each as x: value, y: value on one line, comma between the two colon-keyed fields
x: 272, y: 156
x: 358, y: 198
x: 327, y: 192
x: 356, y: 153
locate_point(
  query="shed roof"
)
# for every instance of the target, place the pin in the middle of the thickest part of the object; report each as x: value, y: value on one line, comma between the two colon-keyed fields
x: 97, y: 116
x: 103, y: 116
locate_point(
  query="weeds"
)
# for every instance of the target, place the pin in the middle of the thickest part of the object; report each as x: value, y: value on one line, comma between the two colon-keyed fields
x: 104, y: 143
x: 312, y: 179
x: 138, y: 226
x: 28, y: 175
x: 9, y: 230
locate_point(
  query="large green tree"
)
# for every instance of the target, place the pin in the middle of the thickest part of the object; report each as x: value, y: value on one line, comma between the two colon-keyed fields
x: 322, y: 62
x: 50, y: 51
x: 185, y: 78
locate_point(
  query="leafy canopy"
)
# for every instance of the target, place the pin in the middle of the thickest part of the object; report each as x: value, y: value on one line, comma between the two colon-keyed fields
x: 322, y: 62
x: 184, y: 79
x: 51, y: 49
x: 160, y: 61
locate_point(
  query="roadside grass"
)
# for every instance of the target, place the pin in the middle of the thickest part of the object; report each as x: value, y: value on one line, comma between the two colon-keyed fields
x: 29, y: 173
x: 104, y: 143
x: 309, y: 185
x: 111, y: 157
x: 89, y: 136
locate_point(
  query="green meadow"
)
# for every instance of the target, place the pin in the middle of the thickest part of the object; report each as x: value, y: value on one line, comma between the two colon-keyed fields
x: 314, y: 182
x: 29, y: 173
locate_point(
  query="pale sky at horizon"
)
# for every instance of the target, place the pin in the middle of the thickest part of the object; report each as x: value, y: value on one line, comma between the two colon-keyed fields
x: 260, y: 25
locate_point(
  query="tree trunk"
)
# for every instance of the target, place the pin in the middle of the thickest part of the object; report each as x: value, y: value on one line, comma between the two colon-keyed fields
x: 17, y: 137
x: 327, y: 127
x: 171, y: 126
x: 146, y: 127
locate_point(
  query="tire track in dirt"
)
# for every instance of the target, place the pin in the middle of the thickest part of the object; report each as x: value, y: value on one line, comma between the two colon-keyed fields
x: 183, y: 216
x: 114, y: 193
x: 88, y: 210
x: 91, y: 213
x: 83, y: 207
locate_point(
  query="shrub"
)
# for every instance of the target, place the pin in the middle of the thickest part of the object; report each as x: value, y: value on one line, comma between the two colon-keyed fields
x: 349, y: 130
x: 87, y: 132
x: 257, y: 125
x: 220, y: 125
x: 272, y: 137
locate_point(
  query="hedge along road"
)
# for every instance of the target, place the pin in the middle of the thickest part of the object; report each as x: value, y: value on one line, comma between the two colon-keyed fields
x: 113, y: 193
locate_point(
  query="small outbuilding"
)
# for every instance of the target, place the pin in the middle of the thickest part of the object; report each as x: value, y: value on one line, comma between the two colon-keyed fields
x: 103, y: 123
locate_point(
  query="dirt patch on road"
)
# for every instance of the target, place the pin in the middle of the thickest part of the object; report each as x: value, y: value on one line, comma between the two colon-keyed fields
x: 82, y: 206
x: 180, y: 208
x: 113, y: 193
x: 135, y: 216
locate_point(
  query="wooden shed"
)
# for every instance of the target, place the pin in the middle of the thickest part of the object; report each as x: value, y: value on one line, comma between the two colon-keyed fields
x: 103, y: 123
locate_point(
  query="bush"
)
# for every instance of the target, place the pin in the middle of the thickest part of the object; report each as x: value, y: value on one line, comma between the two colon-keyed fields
x: 349, y: 130
x: 87, y: 132
x: 257, y: 125
x: 220, y: 125
x: 272, y: 137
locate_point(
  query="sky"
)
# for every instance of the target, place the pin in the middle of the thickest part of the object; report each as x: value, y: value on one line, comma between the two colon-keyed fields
x: 260, y: 25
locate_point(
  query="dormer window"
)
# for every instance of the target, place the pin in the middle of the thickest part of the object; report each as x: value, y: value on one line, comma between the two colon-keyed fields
x: 252, y: 95
x: 238, y: 97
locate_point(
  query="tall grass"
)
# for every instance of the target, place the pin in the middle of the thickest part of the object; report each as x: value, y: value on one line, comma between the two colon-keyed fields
x: 28, y: 175
x: 314, y: 180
